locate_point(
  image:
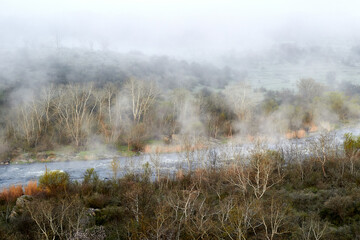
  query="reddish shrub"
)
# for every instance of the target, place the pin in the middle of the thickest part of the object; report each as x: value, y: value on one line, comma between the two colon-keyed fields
x: 32, y: 188
x: 11, y: 193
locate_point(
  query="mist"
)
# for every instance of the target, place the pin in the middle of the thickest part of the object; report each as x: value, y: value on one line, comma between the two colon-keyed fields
x: 199, y: 29
x: 154, y: 119
x: 143, y: 71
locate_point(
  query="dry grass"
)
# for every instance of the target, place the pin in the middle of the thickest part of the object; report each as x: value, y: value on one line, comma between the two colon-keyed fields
x: 14, y: 191
x: 296, y: 134
x: 171, y: 148
x: 11, y: 193
x: 32, y: 188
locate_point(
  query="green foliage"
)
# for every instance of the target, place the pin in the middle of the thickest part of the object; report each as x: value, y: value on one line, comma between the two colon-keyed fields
x: 147, y: 172
x: 54, y: 181
x: 96, y: 200
x: 136, y: 205
x: 351, y: 143
x: 270, y: 105
x: 125, y: 151
x: 90, y: 176
x: 115, y: 167
x: 108, y: 214
x: 336, y: 101
x: 137, y: 137
x: 340, y: 210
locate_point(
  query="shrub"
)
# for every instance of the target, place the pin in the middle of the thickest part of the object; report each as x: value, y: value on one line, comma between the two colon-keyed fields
x: 54, y: 181
x: 351, y: 144
x: 90, y: 176
x: 32, y: 188
x: 11, y: 194
x: 97, y: 200
x: 109, y: 213
x: 340, y: 210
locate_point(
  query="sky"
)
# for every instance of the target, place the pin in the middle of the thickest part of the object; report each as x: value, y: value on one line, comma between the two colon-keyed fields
x: 177, y: 27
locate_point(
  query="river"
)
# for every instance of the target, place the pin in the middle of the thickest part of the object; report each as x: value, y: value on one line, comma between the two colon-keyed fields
x: 169, y: 163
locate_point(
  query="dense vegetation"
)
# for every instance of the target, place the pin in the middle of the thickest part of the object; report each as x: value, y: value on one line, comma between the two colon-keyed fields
x: 86, y: 98
x: 282, y: 194
x: 83, y: 99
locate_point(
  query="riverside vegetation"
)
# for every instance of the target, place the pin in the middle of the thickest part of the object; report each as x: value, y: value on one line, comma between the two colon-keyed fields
x: 80, y: 102
x: 71, y: 101
x: 268, y: 194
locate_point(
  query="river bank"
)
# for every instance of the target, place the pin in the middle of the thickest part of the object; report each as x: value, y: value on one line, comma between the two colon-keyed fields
x: 66, y: 154
x: 104, y: 152
x: 169, y: 163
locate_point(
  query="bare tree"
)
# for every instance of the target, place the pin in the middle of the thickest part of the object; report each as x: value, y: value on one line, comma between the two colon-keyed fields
x: 161, y: 228
x: 155, y: 160
x: 294, y: 154
x: 76, y: 111
x: 33, y: 117
x: 242, y: 99
x: 105, y: 100
x: 57, y: 221
x: 324, y: 148
x: 142, y: 96
x: 257, y: 174
x: 260, y: 177
x: 187, y: 153
x: 308, y: 89
x: 274, y: 218
x: 237, y: 219
x: 313, y: 229
x: 183, y: 205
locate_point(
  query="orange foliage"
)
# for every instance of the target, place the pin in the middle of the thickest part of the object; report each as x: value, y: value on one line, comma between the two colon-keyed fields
x: 32, y: 188
x: 313, y: 128
x: 11, y: 193
x: 250, y: 138
x: 301, y: 133
x: 296, y: 134
x: 179, y: 174
x: 201, y: 174
x: 290, y: 135
x: 170, y: 148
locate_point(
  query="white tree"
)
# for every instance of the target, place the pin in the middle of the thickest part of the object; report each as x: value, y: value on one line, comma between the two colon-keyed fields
x: 142, y: 96
x: 242, y: 99
x: 75, y: 110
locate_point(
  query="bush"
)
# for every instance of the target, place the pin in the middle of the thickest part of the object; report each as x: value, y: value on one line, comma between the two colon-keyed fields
x: 54, y: 181
x: 109, y: 213
x: 32, y: 188
x: 351, y: 144
x: 90, y: 176
x: 340, y: 210
x: 96, y: 200
x: 11, y: 194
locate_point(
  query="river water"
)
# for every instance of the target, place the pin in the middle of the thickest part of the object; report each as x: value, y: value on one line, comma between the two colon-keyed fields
x: 169, y: 163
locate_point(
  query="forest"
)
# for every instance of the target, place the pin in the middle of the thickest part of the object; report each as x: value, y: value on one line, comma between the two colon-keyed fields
x: 134, y: 104
x: 82, y: 99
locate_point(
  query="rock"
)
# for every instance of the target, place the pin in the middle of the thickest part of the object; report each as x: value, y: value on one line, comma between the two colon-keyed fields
x: 21, y: 201
x: 19, y: 207
x: 92, y: 211
x: 6, y: 162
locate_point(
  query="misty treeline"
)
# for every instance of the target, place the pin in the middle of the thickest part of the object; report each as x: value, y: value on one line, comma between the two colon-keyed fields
x: 284, y: 193
x: 78, y: 98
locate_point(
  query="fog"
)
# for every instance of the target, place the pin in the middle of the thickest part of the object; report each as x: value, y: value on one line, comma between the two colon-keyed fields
x: 169, y: 119
x: 192, y: 29
x: 121, y: 74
